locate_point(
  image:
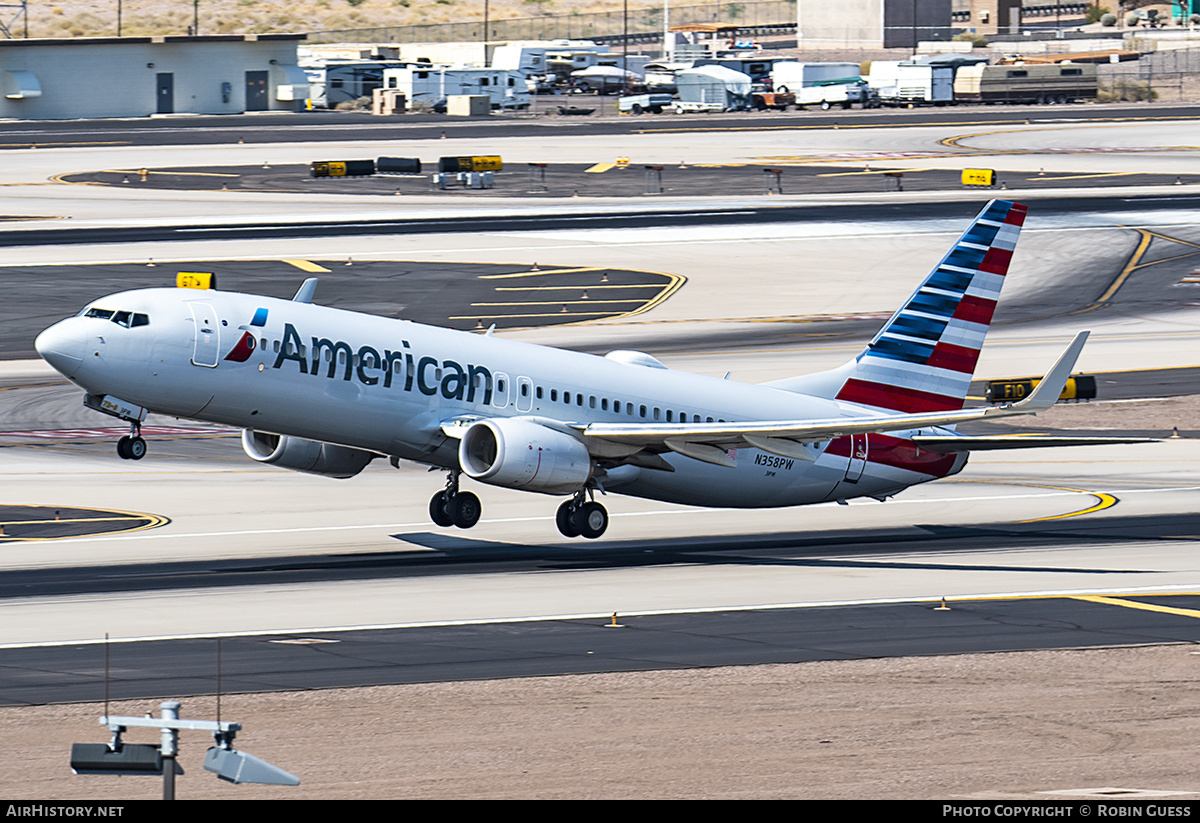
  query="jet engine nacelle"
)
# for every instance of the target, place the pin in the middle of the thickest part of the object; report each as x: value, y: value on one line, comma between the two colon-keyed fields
x: 302, y: 455
x: 522, y: 454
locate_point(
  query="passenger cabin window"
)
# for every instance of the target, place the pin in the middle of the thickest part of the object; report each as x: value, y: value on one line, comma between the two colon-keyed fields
x: 1071, y: 72
x: 1018, y: 73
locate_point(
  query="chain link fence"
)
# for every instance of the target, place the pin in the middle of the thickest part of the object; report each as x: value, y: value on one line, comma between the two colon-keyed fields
x: 643, y: 22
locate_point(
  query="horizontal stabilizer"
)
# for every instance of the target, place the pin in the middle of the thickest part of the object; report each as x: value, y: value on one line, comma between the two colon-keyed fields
x: 1051, y: 386
x: 947, y: 444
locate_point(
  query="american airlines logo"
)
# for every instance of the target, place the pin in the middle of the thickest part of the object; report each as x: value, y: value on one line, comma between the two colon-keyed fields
x: 428, y: 375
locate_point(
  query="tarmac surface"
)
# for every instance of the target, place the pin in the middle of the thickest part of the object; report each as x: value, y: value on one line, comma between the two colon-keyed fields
x: 611, y: 180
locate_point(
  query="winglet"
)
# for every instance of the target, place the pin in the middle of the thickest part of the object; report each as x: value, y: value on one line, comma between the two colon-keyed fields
x: 306, y: 291
x: 1051, y: 386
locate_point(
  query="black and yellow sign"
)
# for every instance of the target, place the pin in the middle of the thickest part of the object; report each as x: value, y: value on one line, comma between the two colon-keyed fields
x: 196, y: 280
x: 1080, y: 387
x: 979, y: 177
x: 477, y: 163
x: 343, y: 168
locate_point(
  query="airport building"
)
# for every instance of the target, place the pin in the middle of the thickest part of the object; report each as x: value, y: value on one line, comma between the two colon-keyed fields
x: 53, y: 79
x: 871, y: 24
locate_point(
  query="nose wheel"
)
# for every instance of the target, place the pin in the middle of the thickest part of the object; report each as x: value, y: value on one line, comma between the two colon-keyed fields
x: 577, y: 518
x: 132, y: 446
x: 452, y: 507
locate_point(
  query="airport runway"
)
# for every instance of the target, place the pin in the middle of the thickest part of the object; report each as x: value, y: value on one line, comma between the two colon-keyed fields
x: 250, y: 550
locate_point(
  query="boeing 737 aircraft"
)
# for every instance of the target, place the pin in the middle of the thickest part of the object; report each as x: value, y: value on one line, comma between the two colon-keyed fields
x: 326, y: 391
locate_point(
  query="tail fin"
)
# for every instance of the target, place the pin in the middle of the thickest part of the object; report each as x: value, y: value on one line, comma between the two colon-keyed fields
x: 923, y: 358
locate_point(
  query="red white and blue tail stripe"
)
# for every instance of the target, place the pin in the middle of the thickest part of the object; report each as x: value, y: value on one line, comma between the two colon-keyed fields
x: 923, y: 358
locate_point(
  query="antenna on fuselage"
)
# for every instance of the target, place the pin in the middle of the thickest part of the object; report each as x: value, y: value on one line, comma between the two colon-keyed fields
x: 307, y: 289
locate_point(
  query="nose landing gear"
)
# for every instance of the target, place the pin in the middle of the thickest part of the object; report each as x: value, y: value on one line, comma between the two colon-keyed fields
x: 132, y: 446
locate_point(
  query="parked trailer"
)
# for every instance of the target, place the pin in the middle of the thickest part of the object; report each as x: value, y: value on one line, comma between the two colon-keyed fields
x: 429, y: 84
x: 712, y: 88
x: 901, y: 83
x: 338, y: 81
x: 1057, y: 83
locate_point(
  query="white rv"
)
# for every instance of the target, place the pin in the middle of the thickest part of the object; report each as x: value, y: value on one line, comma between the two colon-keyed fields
x: 339, y: 81
x: 433, y: 84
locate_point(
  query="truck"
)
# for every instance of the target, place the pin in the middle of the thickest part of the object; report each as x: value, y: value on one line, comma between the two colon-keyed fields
x: 1026, y: 83
x: 902, y: 83
x: 788, y: 75
x: 640, y: 103
x: 843, y: 91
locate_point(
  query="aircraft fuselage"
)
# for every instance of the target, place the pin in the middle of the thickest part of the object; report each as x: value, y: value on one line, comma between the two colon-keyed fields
x: 387, y: 386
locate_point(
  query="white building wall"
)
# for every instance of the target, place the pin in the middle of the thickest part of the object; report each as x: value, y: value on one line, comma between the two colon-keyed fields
x: 825, y: 24
x: 118, y: 77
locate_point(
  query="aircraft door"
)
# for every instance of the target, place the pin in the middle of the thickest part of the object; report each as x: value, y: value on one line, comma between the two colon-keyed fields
x: 500, y: 398
x: 208, y: 336
x: 858, y: 457
x: 524, y: 394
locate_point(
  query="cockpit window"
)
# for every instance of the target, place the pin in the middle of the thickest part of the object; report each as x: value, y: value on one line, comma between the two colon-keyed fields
x: 127, y: 319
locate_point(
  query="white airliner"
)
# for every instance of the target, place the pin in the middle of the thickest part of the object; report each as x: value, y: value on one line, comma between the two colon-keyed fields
x: 326, y: 391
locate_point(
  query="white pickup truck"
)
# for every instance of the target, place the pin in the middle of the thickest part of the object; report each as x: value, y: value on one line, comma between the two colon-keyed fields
x: 641, y: 103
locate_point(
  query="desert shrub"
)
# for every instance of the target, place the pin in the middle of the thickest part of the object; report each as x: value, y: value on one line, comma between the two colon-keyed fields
x: 1127, y: 91
x: 361, y: 104
x: 977, y: 41
x: 1094, y: 13
x: 1108, y: 20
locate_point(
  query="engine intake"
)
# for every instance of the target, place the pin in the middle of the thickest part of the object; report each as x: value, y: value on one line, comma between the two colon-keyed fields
x: 301, y: 455
x: 521, y: 454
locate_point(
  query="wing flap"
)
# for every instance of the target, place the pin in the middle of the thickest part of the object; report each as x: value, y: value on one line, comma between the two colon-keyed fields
x: 948, y: 444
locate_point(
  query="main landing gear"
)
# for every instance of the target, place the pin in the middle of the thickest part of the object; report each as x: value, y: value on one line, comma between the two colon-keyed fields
x: 132, y: 446
x: 579, y: 517
x: 452, y: 507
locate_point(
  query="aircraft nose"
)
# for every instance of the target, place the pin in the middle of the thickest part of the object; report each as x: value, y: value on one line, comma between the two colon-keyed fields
x: 61, y: 348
